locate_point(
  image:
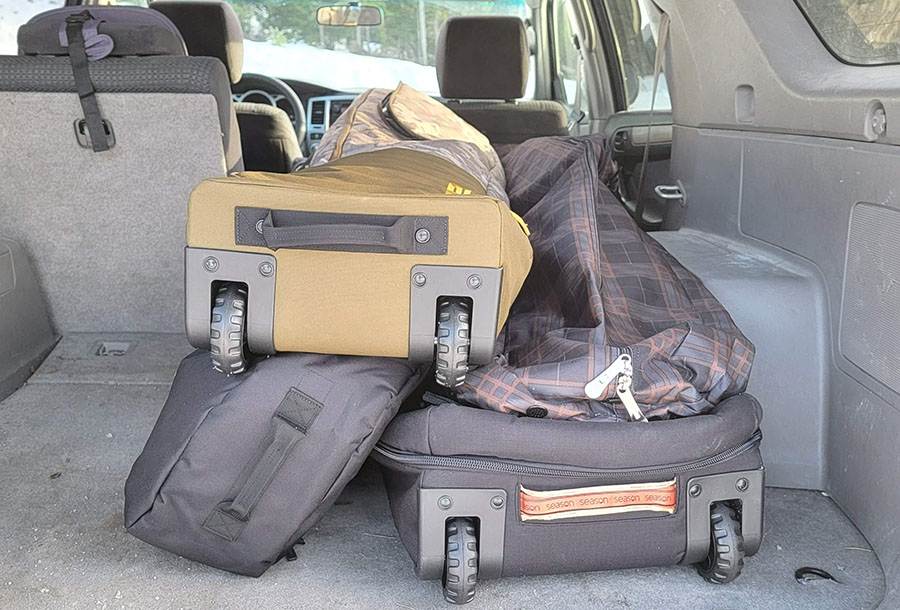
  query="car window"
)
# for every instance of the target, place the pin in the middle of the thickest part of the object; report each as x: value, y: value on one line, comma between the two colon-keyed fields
x: 565, y: 55
x: 857, y: 31
x: 283, y: 39
x: 14, y: 13
x: 634, y: 24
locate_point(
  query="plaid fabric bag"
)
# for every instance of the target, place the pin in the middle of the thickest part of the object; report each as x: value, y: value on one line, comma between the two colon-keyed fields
x: 599, y: 288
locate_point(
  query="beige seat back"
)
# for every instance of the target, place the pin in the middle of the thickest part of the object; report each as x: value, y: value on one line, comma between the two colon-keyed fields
x: 105, y: 230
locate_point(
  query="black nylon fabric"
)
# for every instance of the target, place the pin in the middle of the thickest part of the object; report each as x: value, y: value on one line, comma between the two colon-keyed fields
x: 605, y: 542
x: 213, y: 430
x: 588, y: 444
x: 610, y: 542
x: 83, y: 84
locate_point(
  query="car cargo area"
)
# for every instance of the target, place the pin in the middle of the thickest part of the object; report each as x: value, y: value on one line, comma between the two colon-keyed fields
x: 69, y: 436
x: 406, y: 304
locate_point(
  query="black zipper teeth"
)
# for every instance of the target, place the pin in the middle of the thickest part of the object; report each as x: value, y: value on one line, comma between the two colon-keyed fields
x: 486, y: 464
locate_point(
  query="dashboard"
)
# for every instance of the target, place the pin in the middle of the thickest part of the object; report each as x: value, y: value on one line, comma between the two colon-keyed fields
x: 321, y: 112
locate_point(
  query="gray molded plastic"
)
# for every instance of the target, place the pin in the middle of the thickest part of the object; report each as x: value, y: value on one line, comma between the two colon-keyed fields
x: 26, y: 336
x: 436, y: 506
x: 778, y: 301
x: 443, y: 281
x: 797, y: 85
x: 746, y: 487
x: 774, y: 141
x: 202, y: 267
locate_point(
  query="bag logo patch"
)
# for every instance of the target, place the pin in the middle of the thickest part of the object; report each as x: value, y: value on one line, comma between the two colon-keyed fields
x: 595, y: 501
x: 455, y: 189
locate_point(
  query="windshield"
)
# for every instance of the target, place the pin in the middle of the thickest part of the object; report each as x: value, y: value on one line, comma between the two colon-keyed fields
x: 283, y: 39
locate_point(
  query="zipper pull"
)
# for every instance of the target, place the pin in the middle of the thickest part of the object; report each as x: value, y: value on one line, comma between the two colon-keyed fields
x: 623, y: 390
x: 594, y: 388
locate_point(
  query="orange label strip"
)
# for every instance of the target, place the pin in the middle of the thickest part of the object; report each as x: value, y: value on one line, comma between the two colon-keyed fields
x: 602, y: 500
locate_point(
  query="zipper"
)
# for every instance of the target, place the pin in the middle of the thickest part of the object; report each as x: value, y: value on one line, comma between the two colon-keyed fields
x: 621, y: 373
x: 488, y: 464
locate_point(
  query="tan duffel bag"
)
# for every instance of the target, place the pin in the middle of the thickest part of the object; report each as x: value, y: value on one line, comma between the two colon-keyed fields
x: 393, y: 253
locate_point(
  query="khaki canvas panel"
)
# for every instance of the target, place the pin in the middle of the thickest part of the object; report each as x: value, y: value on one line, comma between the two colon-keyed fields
x: 358, y: 302
x: 391, y: 170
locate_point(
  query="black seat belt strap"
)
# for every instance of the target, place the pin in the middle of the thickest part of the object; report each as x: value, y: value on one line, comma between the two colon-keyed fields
x: 640, y: 203
x: 83, y: 83
x: 290, y: 424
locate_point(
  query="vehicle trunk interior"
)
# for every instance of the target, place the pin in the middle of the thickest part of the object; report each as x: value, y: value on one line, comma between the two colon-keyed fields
x: 786, y: 182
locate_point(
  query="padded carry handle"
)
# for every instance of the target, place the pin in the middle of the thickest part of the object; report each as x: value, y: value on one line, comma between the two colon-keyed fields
x: 305, y: 230
x: 290, y: 424
x: 397, y: 238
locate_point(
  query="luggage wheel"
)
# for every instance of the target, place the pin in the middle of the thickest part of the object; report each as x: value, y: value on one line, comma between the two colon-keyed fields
x: 726, y: 546
x: 461, y: 561
x: 452, y: 340
x: 228, y: 329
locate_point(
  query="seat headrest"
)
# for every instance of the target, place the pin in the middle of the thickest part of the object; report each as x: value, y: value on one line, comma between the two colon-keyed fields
x: 482, y: 57
x: 120, y: 31
x: 210, y: 28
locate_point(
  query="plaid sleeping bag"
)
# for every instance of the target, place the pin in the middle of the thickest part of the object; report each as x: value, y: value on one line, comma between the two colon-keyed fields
x: 600, y: 287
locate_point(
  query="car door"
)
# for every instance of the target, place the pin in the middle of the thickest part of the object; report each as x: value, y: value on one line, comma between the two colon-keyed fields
x: 602, y: 66
x: 642, y: 122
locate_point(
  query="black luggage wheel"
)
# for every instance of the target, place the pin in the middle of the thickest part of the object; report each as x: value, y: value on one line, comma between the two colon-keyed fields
x: 461, y: 561
x: 726, y: 546
x: 228, y: 329
x: 452, y: 340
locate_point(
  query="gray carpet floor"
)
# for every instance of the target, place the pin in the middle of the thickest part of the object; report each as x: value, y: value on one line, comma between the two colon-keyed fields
x: 67, y: 441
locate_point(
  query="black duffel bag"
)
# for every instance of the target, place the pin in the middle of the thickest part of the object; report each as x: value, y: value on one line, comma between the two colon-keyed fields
x: 238, y: 468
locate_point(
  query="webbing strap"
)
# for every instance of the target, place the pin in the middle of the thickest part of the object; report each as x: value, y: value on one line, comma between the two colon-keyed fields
x: 83, y: 84
x: 290, y: 423
x: 657, y: 69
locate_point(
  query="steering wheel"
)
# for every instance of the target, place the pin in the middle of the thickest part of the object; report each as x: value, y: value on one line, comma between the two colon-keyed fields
x: 277, y: 90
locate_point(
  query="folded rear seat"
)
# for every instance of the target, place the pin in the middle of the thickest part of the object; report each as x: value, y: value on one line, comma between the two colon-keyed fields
x: 104, y: 227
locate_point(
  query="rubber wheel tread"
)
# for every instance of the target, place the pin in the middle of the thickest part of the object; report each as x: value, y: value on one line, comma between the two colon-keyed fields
x: 726, y: 546
x: 227, y: 330
x: 452, y: 342
x: 461, y: 563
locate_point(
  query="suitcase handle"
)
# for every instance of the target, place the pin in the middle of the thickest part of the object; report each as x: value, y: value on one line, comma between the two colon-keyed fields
x: 353, y: 232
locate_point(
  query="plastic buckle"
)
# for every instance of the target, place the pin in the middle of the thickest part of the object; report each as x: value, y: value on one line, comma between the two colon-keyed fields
x: 84, y: 137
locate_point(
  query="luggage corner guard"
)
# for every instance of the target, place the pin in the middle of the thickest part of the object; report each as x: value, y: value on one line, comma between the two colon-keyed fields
x: 203, y: 267
x: 436, y: 506
x: 746, y: 487
x: 428, y: 283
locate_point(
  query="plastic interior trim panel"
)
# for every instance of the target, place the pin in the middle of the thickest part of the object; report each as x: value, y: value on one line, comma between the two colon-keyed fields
x: 315, y: 131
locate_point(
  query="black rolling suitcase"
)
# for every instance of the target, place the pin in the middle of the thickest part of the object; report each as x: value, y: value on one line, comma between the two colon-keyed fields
x: 477, y: 494
x: 613, y: 431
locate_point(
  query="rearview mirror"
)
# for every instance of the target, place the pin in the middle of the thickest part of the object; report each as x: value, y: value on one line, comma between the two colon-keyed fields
x: 350, y: 15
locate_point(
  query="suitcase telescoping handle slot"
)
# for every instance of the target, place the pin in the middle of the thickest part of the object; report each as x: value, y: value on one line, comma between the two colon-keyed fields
x: 303, y: 230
